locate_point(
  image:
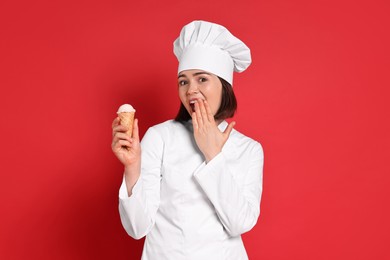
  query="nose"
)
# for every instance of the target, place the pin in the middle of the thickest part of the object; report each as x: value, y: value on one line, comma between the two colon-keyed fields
x: 192, y: 88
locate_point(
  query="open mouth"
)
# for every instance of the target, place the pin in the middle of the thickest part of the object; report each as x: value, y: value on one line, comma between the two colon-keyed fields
x: 192, y: 105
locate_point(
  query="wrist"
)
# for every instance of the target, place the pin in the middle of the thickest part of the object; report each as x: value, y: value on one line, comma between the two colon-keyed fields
x: 132, y: 174
x: 210, y: 156
x: 133, y: 168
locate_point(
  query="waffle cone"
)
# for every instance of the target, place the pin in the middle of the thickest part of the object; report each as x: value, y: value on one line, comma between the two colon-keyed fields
x: 127, y: 119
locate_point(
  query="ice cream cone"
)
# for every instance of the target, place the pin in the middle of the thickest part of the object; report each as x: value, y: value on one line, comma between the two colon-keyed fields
x: 126, y: 114
x: 127, y: 119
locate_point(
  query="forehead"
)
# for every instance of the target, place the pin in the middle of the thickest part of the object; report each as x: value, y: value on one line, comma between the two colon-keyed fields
x: 194, y: 72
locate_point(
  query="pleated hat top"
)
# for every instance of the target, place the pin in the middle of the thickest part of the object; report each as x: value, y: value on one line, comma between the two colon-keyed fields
x: 211, y: 47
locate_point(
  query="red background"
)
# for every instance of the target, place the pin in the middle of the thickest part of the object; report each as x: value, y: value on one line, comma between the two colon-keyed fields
x: 316, y: 97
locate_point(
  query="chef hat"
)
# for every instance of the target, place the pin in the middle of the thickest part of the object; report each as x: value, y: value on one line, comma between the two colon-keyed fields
x: 212, y: 48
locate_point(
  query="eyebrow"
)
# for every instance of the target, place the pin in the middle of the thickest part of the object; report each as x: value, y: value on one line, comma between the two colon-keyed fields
x: 195, y: 74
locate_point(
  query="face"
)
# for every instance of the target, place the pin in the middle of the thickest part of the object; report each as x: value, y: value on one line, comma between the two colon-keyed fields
x: 199, y: 84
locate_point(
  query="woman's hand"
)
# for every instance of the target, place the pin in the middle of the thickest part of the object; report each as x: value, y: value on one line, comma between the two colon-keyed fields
x: 208, y: 137
x: 127, y: 149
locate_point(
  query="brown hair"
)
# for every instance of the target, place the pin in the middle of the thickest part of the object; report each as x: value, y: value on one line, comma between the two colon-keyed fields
x: 226, y: 110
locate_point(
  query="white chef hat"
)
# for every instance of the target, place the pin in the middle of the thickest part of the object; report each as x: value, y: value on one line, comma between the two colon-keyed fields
x: 211, y: 47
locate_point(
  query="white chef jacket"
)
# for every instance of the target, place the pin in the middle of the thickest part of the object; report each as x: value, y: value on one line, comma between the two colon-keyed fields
x: 189, y: 209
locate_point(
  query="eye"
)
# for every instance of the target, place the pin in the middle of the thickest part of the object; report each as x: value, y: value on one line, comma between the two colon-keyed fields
x: 182, y: 82
x: 202, y: 79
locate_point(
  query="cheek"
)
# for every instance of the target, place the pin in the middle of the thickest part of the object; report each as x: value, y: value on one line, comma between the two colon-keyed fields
x: 214, y: 103
x: 183, y: 98
x: 181, y: 94
x: 217, y: 98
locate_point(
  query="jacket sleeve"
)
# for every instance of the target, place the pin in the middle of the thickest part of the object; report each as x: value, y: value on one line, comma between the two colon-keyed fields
x: 235, y: 188
x: 138, y: 211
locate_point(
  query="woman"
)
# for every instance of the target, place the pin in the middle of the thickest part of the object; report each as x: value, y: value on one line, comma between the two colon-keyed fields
x: 196, y: 185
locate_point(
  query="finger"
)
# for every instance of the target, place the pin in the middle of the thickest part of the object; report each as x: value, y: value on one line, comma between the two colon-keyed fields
x: 123, y: 144
x: 135, y: 130
x: 229, y: 129
x: 198, y: 114
x: 194, y: 121
x: 119, y: 128
x: 115, y: 122
x: 122, y: 136
x: 203, y: 110
x: 210, y: 115
x: 118, y: 144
